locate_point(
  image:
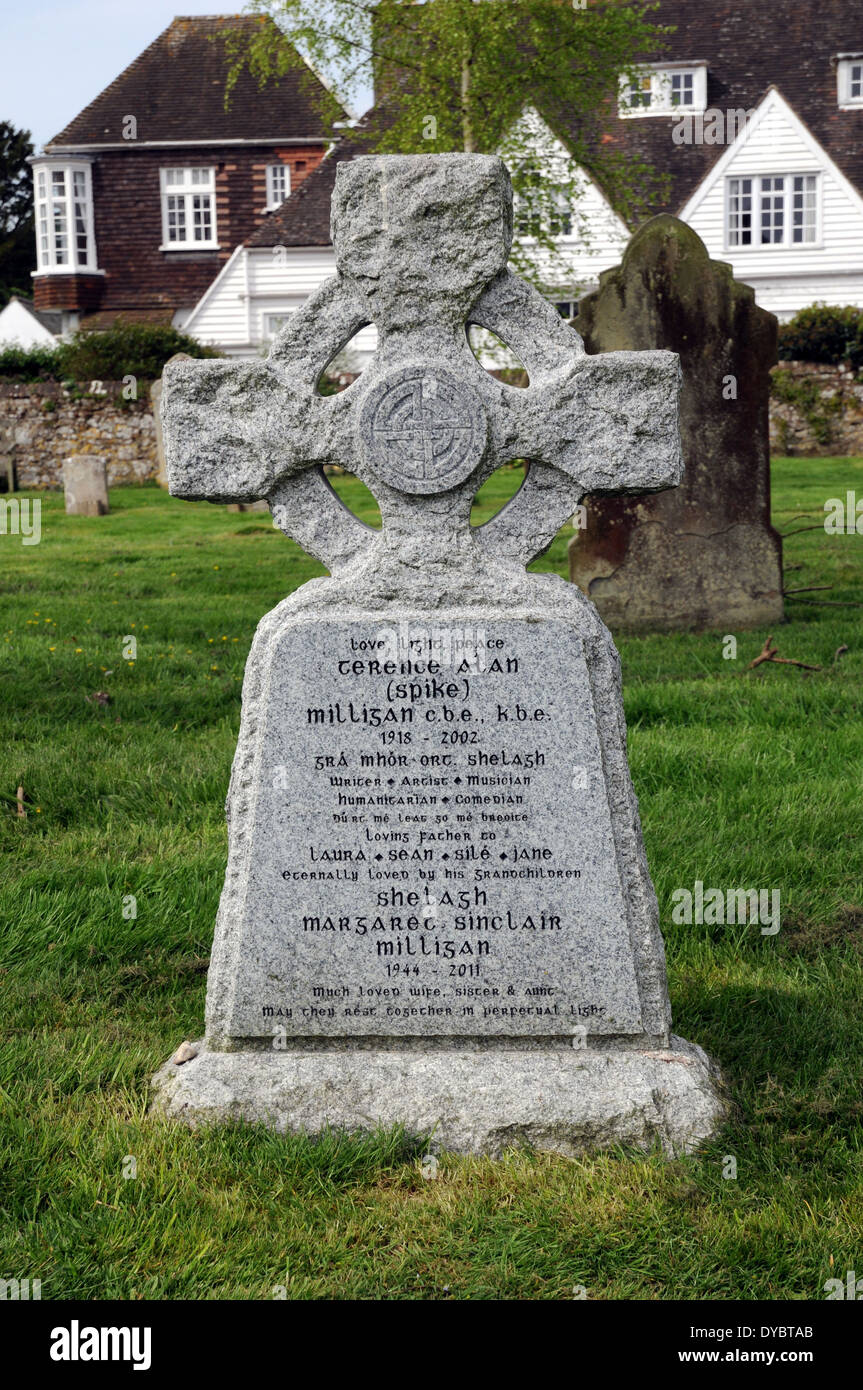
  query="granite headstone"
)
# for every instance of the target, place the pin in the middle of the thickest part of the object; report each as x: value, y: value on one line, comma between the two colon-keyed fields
x: 437, y: 909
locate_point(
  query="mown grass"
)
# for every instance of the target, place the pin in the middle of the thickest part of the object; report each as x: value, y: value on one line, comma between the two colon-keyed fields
x: 746, y: 779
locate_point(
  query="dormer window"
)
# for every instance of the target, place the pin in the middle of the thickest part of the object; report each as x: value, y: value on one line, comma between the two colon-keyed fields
x: 849, y: 80
x: 682, y: 88
x: 664, y: 90
x: 64, y: 217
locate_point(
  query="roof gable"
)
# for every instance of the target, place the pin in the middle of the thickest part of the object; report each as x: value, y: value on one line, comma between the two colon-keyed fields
x: 774, y: 140
x: 176, y: 91
x: 749, y: 48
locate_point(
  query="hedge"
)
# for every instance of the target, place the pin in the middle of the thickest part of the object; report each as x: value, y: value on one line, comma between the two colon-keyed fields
x: 823, y: 333
x: 128, y: 349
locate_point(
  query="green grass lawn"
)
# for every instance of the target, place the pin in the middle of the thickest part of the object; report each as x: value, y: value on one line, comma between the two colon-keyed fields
x: 745, y: 779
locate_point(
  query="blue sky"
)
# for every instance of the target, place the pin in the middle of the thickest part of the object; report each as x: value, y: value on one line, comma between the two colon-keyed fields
x: 57, y: 55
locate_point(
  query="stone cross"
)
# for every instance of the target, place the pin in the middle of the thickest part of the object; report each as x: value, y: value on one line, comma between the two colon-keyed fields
x: 421, y: 247
x: 437, y: 910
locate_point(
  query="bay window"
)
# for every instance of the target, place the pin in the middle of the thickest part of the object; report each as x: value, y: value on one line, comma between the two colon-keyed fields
x: 64, y: 217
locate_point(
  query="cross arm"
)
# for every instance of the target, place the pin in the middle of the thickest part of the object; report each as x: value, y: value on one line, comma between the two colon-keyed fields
x: 232, y: 430
x: 610, y: 422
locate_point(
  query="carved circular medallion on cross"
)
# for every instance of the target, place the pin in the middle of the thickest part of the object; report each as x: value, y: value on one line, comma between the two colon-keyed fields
x: 422, y: 429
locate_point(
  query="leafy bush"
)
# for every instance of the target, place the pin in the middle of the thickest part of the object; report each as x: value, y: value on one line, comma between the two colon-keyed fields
x: 128, y: 349
x: 28, y: 364
x: 822, y: 333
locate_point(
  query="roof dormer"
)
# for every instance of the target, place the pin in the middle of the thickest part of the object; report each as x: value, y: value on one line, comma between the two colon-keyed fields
x: 663, y: 89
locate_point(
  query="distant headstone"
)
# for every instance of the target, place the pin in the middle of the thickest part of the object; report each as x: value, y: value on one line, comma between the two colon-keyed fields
x: 703, y: 555
x: 437, y: 909
x: 85, y: 484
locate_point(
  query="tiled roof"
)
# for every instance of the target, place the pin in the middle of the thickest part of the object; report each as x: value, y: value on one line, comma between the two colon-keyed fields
x: 750, y: 46
x: 304, y: 218
x: 111, y: 318
x: 52, y: 319
x: 175, y: 90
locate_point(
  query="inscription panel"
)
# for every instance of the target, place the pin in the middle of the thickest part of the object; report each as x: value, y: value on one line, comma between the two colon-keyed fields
x: 431, y: 851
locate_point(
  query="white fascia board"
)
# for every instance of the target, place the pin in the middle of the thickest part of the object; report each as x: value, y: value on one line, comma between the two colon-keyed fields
x: 63, y: 150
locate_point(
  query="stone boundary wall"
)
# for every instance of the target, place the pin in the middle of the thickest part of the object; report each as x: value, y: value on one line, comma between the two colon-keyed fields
x: 815, y: 409
x: 43, y: 422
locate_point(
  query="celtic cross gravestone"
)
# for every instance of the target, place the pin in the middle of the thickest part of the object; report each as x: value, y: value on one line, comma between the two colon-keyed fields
x: 437, y: 909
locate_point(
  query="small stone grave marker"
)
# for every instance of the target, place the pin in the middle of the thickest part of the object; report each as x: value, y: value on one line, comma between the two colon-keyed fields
x: 85, y: 484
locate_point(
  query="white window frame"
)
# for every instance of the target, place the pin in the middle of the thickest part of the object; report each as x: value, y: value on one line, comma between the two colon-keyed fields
x: 849, y: 81
x: 274, y: 172
x: 284, y: 315
x: 186, y: 190
x: 758, y: 193
x: 557, y: 212
x: 51, y: 205
x: 661, y: 102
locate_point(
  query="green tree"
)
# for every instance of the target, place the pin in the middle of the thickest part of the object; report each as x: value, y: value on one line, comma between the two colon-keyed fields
x: 460, y: 74
x: 17, y: 247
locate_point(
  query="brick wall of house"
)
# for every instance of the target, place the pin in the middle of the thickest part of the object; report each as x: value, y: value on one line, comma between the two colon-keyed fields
x: 77, y: 292
x: 42, y: 423
x: 128, y: 224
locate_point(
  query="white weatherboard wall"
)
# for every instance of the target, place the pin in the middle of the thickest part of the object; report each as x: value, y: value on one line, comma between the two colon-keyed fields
x: 786, y: 278
x: 257, y: 282
x: 598, y: 237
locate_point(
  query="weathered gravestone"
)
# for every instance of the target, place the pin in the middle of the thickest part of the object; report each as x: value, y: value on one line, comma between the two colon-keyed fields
x: 437, y: 909
x: 85, y: 485
x: 703, y: 555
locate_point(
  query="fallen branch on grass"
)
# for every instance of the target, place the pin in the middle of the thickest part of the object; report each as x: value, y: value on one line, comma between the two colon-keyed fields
x: 769, y: 653
x: 829, y: 602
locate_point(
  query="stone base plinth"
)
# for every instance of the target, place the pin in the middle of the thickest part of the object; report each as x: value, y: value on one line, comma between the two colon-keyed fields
x: 469, y: 1102
x: 668, y: 581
